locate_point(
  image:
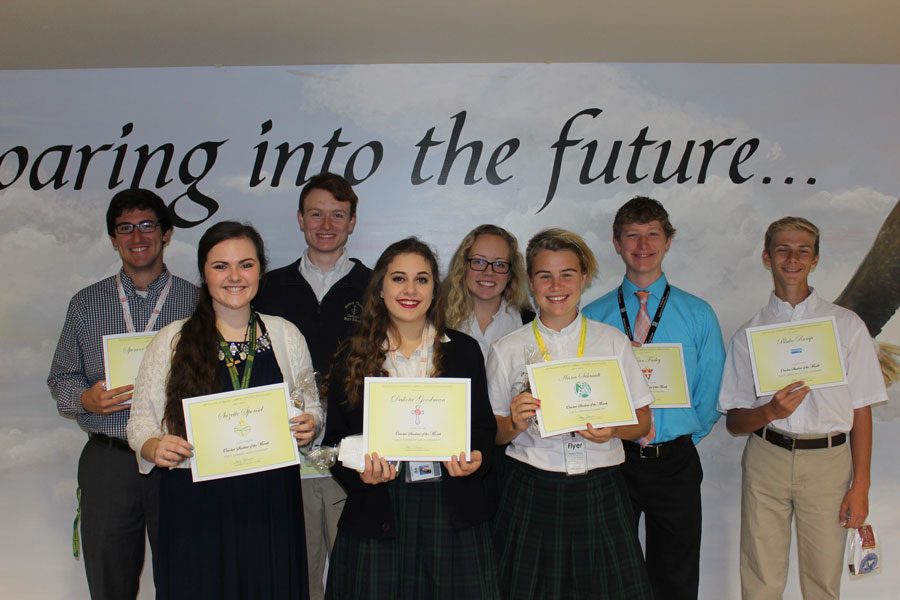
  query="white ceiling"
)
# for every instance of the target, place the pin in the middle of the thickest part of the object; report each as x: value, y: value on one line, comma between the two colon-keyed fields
x: 49, y: 34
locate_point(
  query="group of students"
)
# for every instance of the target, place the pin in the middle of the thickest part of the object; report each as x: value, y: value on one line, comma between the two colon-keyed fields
x: 522, y: 516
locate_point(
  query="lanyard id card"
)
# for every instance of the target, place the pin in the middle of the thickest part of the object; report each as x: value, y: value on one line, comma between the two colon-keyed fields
x: 423, y: 471
x: 575, y: 453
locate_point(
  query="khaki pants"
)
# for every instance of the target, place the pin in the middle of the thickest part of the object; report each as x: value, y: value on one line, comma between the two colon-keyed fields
x: 808, y: 486
x: 323, y: 502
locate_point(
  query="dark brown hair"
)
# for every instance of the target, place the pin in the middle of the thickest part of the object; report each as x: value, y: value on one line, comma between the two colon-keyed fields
x: 194, y: 362
x: 339, y: 187
x: 642, y: 209
x: 367, y: 348
x: 137, y: 199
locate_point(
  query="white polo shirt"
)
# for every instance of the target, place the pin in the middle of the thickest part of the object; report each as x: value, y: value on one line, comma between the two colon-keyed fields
x: 825, y: 410
x: 506, y: 370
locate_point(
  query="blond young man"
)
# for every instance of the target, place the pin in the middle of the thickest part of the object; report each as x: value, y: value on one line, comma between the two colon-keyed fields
x: 798, y: 464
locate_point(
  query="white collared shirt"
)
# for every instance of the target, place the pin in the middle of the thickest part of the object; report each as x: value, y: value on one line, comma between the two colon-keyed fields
x: 506, y: 370
x: 420, y: 363
x: 824, y: 410
x: 321, y: 281
x: 506, y: 320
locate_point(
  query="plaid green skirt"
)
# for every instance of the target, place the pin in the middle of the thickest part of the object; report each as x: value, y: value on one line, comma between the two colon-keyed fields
x: 428, y: 558
x: 567, y: 537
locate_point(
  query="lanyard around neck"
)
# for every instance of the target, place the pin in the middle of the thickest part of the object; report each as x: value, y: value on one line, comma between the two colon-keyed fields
x: 248, y: 362
x: 542, y: 346
x: 656, y: 318
x: 154, y: 314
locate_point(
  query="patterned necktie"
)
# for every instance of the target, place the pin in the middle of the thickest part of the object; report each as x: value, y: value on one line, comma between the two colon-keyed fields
x: 642, y: 324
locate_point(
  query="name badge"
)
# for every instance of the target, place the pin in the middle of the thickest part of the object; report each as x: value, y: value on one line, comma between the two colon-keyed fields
x: 423, y: 471
x: 576, y: 455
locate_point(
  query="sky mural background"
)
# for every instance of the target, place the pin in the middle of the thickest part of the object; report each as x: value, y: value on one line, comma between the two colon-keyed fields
x: 838, y: 125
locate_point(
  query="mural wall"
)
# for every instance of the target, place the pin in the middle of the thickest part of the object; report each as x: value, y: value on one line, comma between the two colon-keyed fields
x: 434, y: 151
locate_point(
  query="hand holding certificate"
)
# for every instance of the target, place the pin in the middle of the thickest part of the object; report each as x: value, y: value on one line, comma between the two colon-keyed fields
x: 579, y: 391
x: 808, y: 350
x: 417, y: 419
x: 240, y: 432
x: 122, y: 354
x: 663, y: 366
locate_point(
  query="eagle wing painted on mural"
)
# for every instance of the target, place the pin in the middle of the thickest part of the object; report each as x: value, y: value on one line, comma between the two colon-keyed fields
x: 874, y: 290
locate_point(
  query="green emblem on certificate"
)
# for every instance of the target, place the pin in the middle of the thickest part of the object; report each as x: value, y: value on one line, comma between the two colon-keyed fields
x: 579, y: 391
x: 583, y: 389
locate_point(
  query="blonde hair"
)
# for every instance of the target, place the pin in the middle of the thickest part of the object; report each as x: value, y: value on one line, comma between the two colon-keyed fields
x: 791, y: 223
x: 458, y: 300
x: 557, y: 239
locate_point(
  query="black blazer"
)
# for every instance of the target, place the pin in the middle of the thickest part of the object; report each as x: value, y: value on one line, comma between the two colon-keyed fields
x: 471, y: 499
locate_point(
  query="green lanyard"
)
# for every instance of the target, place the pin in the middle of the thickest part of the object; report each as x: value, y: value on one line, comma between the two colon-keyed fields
x: 543, y: 346
x: 251, y: 353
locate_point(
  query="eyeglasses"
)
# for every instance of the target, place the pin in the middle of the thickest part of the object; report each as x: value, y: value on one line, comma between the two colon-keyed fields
x: 143, y: 227
x: 501, y: 267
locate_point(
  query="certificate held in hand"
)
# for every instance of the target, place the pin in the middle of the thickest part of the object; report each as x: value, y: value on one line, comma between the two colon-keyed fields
x: 122, y: 354
x: 808, y: 351
x: 420, y: 419
x: 579, y: 391
x: 240, y: 432
x: 663, y: 366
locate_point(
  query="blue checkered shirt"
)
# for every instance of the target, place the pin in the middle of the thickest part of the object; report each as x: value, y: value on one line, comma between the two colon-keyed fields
x: 94, y: 312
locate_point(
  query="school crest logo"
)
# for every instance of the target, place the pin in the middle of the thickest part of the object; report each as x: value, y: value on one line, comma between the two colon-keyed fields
x: 352, y: 312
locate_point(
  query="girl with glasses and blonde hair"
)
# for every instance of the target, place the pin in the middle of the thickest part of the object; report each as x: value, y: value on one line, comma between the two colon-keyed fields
x: 486, y: 287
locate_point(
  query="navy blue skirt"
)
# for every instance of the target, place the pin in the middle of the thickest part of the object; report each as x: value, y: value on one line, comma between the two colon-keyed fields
x: 235, y: 538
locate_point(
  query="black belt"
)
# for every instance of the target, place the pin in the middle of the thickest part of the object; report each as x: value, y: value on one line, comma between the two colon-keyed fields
x: 789, y: 443
x: 657, y: 450
x: 110, y: 442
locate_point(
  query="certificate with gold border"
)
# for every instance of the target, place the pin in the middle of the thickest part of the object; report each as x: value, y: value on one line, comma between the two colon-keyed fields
x: 417, y: 418
x: 579, y: 391
x: 122, y: 355
x: 663, y: 367
x: 240, y: 432
x: 808, y: 351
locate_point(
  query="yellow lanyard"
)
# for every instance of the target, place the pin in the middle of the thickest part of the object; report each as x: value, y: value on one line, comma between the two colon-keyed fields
x: 543, y: 346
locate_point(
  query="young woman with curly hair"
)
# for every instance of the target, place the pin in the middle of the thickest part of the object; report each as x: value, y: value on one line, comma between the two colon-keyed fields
x: 398, y: 538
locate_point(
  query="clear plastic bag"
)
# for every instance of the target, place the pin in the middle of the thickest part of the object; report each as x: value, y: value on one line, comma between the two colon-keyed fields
x: 863, y: 554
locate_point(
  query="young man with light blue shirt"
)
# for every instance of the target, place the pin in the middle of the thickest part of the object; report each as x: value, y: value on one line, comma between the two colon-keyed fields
x: 663, y: 470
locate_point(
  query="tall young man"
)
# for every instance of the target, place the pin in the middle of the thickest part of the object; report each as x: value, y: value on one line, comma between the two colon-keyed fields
x: 797, y: 463
x: 117, y: 503
x: 663, y: 470
x: 320, y: 294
